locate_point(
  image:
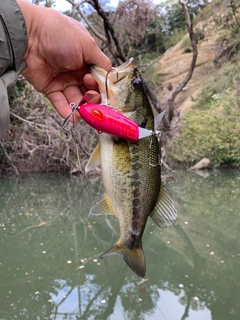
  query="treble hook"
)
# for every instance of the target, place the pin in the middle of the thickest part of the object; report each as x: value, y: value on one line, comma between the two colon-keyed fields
x: 85, y: 99
x: 157, y: 134
x: 106, y: 82
x: 74, y: 107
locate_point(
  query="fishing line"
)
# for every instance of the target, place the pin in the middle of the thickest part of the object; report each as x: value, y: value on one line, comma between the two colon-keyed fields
x: 155, y: 303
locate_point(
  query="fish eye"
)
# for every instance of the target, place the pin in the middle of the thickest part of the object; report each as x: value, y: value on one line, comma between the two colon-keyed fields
x: 137, y: 83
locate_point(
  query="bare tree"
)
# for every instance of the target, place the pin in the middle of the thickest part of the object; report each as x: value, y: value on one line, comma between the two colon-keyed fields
x: 183, y: 83
x: 132, y: 18
x: 128, y: 25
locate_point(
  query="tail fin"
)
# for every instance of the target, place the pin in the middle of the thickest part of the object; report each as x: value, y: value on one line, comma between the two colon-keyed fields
x: 134, y: 258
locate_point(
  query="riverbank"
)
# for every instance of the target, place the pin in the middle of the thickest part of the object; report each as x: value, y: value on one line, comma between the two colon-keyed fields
x: 205, y: 119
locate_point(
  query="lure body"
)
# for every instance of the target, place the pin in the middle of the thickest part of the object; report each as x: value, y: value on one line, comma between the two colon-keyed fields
x: 107, y: 120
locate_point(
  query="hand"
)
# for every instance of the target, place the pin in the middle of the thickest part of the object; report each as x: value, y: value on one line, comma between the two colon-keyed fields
x: 59, y: 52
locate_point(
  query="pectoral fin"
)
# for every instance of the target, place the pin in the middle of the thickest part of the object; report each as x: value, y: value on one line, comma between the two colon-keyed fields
x: 164, y: 213
x: 101, y: 207
x: 94, y: 160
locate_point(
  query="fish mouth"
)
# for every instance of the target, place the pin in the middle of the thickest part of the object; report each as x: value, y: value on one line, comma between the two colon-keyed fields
x: 109, y: 82
x: 122, y: 71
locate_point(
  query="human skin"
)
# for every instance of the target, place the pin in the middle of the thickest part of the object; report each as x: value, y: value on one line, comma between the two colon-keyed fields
x: 59, y: 52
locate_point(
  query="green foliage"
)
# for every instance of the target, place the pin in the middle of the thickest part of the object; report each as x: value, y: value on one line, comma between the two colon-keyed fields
x: 207, y: 11
x: 172, y: 16
x: 153, y: 81
x: 175, y: 18
x: 152, y: 45
x: 187, y: 50
x: 19, y: 89
x: 155, y: 41
x: 171, y: 23
x: 199, y: 34
x: 174, y: 38
x: 186, y: 43
x: 211, y: 129
x: 50, y: 107
x: 229, y: 24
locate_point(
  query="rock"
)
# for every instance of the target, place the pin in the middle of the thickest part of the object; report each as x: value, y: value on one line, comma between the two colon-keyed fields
x: 202, y: 164
x: 204, y: 173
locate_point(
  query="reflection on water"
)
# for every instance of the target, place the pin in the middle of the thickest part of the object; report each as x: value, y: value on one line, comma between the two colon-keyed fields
x: 50, y: 247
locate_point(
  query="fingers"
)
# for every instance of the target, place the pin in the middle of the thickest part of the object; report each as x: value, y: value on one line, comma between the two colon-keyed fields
x: 103, y: 61
x: 89, y: 82
x: 72, y: 94
x: 62, y: 99
x: 94, y: 55
x: 60, y: 103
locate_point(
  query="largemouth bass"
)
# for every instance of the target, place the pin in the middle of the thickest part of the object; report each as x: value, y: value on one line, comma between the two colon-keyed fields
x: 131, y: 172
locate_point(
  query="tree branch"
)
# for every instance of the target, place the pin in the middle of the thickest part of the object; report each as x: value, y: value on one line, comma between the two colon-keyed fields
x: 9, y: 158
x: 152, y: 97
x: 29, y: 122
x: 89, y: 24
x: 109, y: 30
x: 182, y: 84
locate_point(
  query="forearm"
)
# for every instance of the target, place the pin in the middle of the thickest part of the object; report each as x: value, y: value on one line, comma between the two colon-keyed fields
x: 13, y: 46
x: 14, y: 28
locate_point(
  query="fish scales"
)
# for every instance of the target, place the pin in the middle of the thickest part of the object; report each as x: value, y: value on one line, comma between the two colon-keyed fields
x: 131, y: 172
x: 130, y: 191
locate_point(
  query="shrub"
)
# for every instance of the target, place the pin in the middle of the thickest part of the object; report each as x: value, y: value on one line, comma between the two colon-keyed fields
x: 211, y: 132
x: 211, y: 128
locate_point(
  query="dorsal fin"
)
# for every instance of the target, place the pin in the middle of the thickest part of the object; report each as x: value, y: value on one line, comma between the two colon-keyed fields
x: 164, y: 214
x: 158, y: 119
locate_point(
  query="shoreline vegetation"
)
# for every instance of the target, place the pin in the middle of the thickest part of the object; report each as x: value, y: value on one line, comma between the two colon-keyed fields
x: 205, y: 122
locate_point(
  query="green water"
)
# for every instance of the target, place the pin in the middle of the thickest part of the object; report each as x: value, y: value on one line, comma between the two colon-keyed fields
x: 50, y: 247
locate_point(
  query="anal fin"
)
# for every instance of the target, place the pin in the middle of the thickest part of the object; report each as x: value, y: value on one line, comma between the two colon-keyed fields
x: 164, y: 214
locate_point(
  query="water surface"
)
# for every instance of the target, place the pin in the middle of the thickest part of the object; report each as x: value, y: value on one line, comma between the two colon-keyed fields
x: 50, y: 247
